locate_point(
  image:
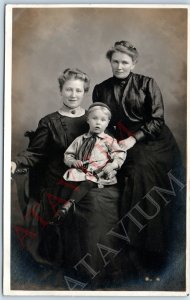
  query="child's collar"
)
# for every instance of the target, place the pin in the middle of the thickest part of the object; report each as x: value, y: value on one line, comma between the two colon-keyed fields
x: 100, y: 135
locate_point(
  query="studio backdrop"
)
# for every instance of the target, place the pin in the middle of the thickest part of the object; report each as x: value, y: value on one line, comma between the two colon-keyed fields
x: 48, y: 40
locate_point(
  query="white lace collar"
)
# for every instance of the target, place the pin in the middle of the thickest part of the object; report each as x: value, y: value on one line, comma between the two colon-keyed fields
x: 71, y: 112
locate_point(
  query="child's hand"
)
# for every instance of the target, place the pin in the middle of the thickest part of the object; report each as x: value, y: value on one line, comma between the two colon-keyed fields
x: 108, y: 171
x: 78, y: 164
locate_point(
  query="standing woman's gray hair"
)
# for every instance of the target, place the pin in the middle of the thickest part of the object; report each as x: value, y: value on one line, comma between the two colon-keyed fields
x: 123, y: 47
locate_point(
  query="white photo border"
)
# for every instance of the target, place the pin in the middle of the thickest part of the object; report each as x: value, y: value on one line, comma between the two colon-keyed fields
x: 7, y: 161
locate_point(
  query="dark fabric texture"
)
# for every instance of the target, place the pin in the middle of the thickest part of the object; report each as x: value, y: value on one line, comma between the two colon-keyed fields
x: 22, y: 183
x: 138, y: 104
x: 95, y: 215
x: 37, y: 190
x: 147, y: 166
x: 140, y: 113
x: 83, y: 235
x: 81, y: 189
x: 50, y: 140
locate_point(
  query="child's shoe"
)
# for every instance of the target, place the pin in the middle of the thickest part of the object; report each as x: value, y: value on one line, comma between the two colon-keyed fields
x: 62, y: 213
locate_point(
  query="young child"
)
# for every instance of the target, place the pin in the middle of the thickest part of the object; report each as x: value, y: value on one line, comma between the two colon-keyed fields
x: 92, y: 158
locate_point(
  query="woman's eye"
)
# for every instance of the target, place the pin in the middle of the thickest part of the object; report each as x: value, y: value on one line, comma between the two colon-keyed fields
x: 79, y: 91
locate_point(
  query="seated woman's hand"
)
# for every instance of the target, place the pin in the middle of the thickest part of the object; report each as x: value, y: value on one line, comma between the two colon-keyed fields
x: 77, y: 164
x: 13, y: 167
x: 127, y: 143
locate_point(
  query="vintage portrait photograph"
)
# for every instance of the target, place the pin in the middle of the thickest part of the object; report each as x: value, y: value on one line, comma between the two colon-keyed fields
x: 95, y: 150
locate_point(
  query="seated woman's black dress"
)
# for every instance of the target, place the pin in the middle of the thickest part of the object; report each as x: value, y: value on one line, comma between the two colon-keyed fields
x: 83, y: 233
x: 44, y: 158
x: 151, y: 206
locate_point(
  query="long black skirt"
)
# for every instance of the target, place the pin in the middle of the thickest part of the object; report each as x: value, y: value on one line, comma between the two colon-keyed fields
x: 82, y: 246
x: 152, y: 205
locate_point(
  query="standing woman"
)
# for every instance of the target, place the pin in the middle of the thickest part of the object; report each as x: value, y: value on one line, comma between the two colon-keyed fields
x: 152, y: 154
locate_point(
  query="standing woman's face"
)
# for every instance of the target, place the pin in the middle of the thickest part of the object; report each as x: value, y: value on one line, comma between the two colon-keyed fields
x: 72, y: 93
x: 121, y: 64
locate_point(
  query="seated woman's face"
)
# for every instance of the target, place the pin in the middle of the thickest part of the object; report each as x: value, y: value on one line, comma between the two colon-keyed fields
x: 72, y: 93
x: 121, y: 64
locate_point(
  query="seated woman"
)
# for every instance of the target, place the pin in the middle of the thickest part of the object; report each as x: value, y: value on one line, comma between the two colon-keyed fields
x: 78, y: 247
x: 153, y: 160
x: 54, y: 134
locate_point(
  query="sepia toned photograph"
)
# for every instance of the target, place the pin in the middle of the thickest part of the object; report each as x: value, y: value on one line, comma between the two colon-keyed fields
x: 95, y: 150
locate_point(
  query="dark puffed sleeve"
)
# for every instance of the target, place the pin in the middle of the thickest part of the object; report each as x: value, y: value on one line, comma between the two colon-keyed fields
x: 37, y: 149
x: 155, y: 119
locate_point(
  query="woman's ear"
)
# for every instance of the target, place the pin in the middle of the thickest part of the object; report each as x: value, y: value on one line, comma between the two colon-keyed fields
x: 133, y: 65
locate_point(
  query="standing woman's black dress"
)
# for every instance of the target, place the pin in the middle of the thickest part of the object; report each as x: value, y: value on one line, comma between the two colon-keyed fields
x: 137, y: 110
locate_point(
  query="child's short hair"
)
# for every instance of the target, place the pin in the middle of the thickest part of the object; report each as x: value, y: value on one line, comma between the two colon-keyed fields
x: 101, y: 106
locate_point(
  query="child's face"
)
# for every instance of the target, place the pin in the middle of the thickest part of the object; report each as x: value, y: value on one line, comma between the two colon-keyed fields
x: 98, y: 121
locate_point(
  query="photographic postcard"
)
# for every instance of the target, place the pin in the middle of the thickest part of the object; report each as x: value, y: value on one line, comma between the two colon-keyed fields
x: 128, y: 234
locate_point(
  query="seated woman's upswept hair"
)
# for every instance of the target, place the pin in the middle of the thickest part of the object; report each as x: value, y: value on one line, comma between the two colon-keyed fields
x: 74, y: 74
x: 124, y: 47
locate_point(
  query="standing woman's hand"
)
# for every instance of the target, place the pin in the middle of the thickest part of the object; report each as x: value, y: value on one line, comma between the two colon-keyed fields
x: 13, y: 167
x: 127, y: 143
